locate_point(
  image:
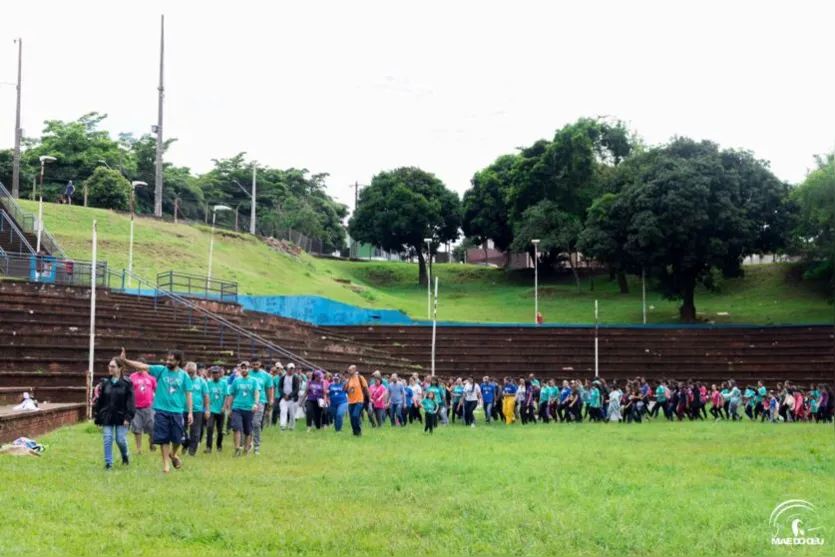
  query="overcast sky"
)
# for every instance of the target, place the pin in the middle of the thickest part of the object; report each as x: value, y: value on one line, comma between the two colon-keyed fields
x: 352, y: 87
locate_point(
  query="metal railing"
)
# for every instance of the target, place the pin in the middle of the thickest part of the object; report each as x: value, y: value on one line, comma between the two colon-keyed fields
x: 197, y: 315
x: 197, y: 286
x: 51, y: 270
x: 28, y: 222
x: 16, y: 239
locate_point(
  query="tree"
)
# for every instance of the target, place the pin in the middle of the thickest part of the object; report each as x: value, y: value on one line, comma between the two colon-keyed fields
x: 694, y: 211
x: 556, y: 230
x: 108, y: 189
x: 485, y: 211
x: 604, y: 237
x: 402, y: 207
x: 814, y: 228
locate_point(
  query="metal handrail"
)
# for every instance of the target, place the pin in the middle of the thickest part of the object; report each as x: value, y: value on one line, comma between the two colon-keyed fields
x: 5, y: 216
x: 253, y: 337
x: 177, y: 282
x: 21, y: 216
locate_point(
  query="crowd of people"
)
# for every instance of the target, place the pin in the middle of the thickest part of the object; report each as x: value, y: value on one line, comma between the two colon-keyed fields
x: 178, y: 406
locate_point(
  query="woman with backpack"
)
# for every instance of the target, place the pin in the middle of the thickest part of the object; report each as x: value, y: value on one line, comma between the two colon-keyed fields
x: 114, y: 410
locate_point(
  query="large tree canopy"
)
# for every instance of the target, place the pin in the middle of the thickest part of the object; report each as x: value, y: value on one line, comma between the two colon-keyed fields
x: 693, y: 210
x: 402, y: 207
x: 814, y: 228
x: 485, y: 212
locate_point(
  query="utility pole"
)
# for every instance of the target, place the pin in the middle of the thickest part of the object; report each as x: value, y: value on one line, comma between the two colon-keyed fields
x: 161, y: 89
x: 354, y: 251
x: 17, y: 132
x: 252, y: 213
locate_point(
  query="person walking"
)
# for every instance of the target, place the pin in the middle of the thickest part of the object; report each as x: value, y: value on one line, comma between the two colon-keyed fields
x: 172, y: 395
x: 337, y: 402
x: 417, y: 399
x: 488, y: 398
x: 397, y: 399
x: 472, y: 397
x: 357, y: 390
x: 509, y: 392
x: 114, y: 410
x: 430, y: 407
x: 144, y: 385
x: 315, y: 401
x: 288, y: 389
x: 243, y: 398
x: 267, y: 390
x: 379, y: 399
x: 218, y: 389
x: 200, y: 406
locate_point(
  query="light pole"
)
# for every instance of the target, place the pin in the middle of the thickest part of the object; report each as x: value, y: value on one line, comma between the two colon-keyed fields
x: 44, y: 159
x: 17, y: 131
x: 252, y: 196
x: 535, y: 280
x: 428, y: 277
x: 85, y: 181
x: 215, y: 209
x: 133, y: 185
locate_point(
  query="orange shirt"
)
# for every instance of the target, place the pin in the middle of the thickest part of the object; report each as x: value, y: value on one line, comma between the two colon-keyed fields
x: 354, y: 387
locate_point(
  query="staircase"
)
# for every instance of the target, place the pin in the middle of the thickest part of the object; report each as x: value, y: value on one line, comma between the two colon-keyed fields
x: 21, y: 228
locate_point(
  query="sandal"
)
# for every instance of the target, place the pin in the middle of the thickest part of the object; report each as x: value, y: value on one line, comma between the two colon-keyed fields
x: 175, y: 460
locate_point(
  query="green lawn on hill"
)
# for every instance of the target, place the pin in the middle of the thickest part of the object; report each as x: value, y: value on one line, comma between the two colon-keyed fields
x: 767, y: 294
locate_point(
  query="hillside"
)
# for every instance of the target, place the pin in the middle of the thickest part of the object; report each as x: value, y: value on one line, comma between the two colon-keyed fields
x: 767, y: 294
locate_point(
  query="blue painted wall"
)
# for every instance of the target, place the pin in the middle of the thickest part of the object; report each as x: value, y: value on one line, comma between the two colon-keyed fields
x: 322, y: 311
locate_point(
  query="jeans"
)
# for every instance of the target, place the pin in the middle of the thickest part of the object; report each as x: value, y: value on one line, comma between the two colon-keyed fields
x: 397, y: 413
x: 469, y: 411
x: 257, y: 422
x: 215, y: 420
x: 338, y: 414
x: 194, y: 432
x: 121, y: 433
x: 488, y: 411
x: 380, y: 415
x: 356, y: 421
x: 430, y: 422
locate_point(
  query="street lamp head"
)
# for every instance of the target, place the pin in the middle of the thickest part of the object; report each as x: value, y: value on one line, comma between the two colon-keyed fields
x: 428, y: 240
x: 221, y: 208
x: 46, y: 158
x: 137, y: 184
x: 535, y: 242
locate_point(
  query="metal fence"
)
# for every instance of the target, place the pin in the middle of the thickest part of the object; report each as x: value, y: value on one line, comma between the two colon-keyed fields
x: 28, y: 222
x: 52, y: 270
x: 12, y: 238
x: 197, y: 286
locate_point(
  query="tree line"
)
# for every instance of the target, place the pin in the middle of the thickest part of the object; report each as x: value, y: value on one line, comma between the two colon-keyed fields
x: 287, y: 199
x: 683, y: 214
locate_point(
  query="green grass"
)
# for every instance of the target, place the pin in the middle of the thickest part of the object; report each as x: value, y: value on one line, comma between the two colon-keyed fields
x: 582, y: 489
x: 767, y: 293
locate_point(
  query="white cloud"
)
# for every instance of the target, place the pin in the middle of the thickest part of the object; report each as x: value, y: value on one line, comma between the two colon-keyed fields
x: 351, y: 88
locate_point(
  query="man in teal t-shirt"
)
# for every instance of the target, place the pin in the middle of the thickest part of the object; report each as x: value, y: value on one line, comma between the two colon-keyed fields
x: 200, y: 402
x: 595, y: 414
x: 171, y: 398
x: 244, y: 395
x: 265, y: 384
x: 218, y: 389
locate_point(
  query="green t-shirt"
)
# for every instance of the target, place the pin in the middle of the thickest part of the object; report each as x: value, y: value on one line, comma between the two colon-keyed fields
x: 265, y: 381
x: 594, y: 398
x: 243, y: 391
x: 553, y: 393
x: 439, y: 393
x: 535, y: 382
x: 172, y: 387
x: 660, y: 394
x: 217, y: 395
x: 199, y: 387
x: 457, y: 393
x: 761, y: 392
x: 430, y: 406
x: 544, y: 393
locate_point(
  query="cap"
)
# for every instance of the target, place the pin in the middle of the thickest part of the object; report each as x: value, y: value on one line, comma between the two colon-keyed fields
x: 216, y: 369
x: 243, y: 364
x: 291, y: 366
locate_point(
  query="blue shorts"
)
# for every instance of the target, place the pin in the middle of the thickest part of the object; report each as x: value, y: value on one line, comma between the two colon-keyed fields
x: 241, y: 420
x: 168, y: 428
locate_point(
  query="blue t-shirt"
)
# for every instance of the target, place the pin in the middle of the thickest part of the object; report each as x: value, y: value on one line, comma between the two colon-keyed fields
x: 397, y: 392
x: 336, y: 392
x: 509, y: 389
x: 488, y: 391
x: 409, y: 395
x: 564, y: 394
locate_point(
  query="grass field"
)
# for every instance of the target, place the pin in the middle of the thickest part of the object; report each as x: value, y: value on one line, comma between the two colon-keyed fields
x: 767, y: 294
x: 573, y: 489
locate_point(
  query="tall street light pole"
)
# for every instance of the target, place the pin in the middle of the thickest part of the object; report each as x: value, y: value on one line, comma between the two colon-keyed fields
x: 17, y: 131
x: 252, y: 196
x: 158, y: 127
x: 133, y: 185
x: 535, y: 280
x: 44, y: 159
x: 428, y: 277
x: 215, y: 209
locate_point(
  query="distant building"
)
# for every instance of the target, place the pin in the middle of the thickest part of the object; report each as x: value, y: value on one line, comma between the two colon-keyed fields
x: 496, y: 258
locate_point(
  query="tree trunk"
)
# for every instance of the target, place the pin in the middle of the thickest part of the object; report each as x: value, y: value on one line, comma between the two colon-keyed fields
x: 484, y: 247
x: 574, y: 272
x: 687, y: 312
x: 421, y: 268
x: 507, y: 255
x: 622, y: 284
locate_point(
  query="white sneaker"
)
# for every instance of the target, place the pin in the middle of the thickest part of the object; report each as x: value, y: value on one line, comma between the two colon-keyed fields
x: 472, y: 425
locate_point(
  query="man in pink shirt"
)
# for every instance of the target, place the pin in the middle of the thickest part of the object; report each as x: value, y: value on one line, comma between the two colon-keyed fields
x: 144, y: 386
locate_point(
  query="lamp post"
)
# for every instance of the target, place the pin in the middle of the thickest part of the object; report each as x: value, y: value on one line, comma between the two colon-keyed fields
x: 215, y: 209
x: 85, y: 181
x: 428, y: 277
x: 535, y: 280
x: 252, y: 197
x: 133, y: 185
x: 44, y: 159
